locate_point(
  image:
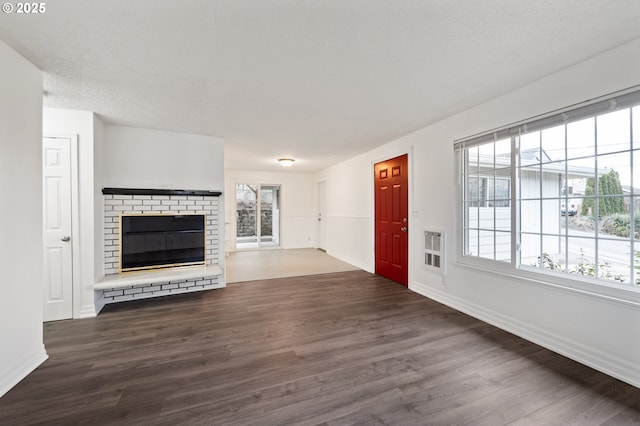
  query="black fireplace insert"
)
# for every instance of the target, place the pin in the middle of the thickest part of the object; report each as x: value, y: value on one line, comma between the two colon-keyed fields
x: 160, y: 241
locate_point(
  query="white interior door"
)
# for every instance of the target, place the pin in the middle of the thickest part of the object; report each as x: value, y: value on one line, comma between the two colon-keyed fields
x: 322, y: 220
x: 56, y: 188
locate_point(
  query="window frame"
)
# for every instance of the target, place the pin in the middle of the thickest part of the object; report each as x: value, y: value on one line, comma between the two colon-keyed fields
x: 628, y: 292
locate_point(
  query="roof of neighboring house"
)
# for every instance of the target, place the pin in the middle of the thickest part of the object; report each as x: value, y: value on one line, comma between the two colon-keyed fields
x: 534, y: 154
x: 627, y: 190
x: 533, y: 159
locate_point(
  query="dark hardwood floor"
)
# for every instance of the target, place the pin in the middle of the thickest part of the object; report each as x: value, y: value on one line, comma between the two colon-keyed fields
x: 334, y: 349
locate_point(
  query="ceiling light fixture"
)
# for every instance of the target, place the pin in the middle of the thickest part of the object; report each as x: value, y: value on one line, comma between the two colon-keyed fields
x: 286, y: 162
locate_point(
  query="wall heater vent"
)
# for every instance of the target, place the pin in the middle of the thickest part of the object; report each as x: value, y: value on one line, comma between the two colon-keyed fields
x: 434, y: 250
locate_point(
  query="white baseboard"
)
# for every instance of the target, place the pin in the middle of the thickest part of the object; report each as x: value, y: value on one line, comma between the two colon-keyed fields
x: 89, y: 311
x: 21, y: 369
x: 351, y: 261
x: 607, y: 363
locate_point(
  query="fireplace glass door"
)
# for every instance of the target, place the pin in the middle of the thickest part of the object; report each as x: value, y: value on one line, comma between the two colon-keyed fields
x: 151, y: 241
x: 257, y: 216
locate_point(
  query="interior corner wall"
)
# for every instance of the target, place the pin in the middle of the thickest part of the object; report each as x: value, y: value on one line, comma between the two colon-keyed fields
x: 63, y: 122
x: 21, y: 244
x: 349, y: 218
x: 297, y: 216
x: 98, y: 200
x: 594, y: 330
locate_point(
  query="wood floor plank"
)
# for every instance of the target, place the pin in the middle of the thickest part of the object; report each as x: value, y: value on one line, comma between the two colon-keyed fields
x: 331, y: 349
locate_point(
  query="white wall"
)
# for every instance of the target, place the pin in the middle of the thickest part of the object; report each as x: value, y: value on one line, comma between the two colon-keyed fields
x: 84, y: 125
x: 143, y: 158
x: 298, y: 217
x: 21, y: 246
x: 597, y: 331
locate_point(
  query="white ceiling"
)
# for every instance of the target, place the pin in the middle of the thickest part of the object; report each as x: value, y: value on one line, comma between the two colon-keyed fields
x: 319, y: 81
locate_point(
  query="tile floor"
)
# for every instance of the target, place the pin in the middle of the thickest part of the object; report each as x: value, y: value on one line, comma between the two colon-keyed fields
x: 264, y: 264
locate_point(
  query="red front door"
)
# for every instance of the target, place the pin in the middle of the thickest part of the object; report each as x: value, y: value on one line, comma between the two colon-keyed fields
x: 391, y: 220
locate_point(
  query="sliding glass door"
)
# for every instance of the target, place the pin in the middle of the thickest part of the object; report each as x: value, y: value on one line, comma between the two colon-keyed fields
x: 258, y: 216
x: 269, y: 216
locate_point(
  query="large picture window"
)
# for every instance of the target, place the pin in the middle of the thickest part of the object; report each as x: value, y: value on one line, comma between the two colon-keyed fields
x: 560, y: 193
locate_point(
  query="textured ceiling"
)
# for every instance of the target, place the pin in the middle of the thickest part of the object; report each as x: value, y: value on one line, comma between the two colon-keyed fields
x: 319, y: 81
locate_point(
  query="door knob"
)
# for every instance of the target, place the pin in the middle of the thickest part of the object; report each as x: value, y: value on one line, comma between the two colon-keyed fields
x: 66, y: 238
x: 404, y: 229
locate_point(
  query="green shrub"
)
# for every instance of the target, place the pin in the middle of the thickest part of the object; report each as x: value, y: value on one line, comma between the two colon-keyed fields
x: 620, y: 224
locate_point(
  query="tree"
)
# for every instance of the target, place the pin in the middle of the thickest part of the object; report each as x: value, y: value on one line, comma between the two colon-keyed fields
x: 617, y: 203
x: 608, y: 185
x: 588, y: 205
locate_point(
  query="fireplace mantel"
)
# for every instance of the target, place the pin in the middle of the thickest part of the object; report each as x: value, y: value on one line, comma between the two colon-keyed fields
x: 143, y: 191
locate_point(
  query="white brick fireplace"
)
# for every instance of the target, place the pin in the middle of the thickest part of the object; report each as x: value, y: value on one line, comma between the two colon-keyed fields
x: 117, y: 287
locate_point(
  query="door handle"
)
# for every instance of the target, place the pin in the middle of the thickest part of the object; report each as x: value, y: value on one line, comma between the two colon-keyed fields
x: 404, y: 229
x: 66, y: 238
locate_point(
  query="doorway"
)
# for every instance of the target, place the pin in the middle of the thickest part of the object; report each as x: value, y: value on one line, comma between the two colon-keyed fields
x: 257, y: 216
x: 58, y: 182
x: 391, y: 219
